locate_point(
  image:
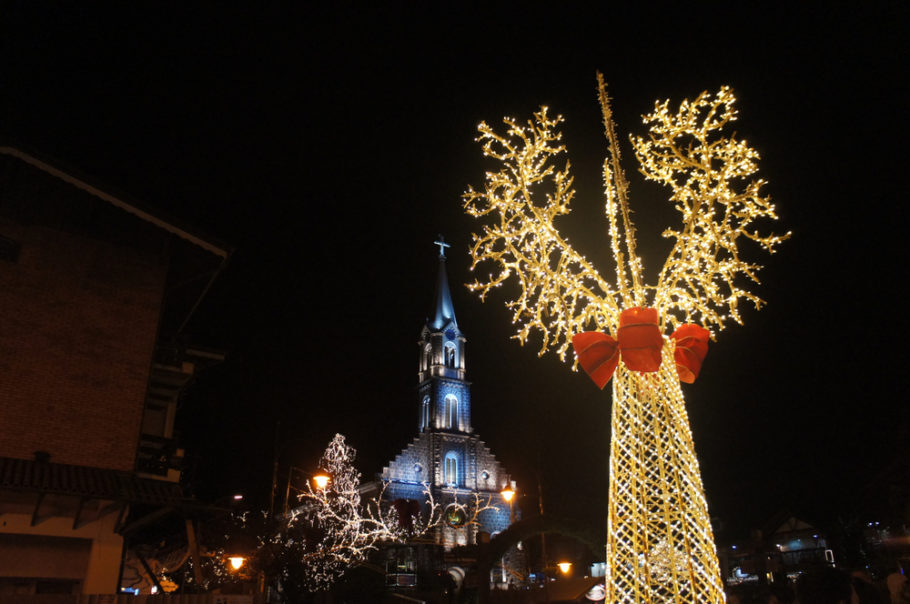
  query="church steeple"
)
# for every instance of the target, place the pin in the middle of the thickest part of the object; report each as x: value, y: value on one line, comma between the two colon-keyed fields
x: 444, y: 310
x: 441, y: 368
x: 447, y: 456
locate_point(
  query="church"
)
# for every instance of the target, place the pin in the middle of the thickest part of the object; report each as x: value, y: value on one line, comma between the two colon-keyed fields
x: 447, y: 456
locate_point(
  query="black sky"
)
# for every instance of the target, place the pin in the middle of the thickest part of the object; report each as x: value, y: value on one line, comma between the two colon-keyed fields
x: 329, y: 146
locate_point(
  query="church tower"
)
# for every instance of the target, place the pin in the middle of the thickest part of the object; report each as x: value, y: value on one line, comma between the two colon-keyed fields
x: 446, y: 454
x: 442, y: 391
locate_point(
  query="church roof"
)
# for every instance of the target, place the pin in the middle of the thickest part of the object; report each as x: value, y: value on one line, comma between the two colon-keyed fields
x: 443, y: 309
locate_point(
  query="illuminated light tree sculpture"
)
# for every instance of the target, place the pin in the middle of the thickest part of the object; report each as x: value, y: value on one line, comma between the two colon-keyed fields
x: 349, y: 528
x: 660, y: 546
x: 333, y: 528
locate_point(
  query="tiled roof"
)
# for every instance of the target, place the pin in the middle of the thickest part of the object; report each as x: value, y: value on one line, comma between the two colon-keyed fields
x: 84, y: 481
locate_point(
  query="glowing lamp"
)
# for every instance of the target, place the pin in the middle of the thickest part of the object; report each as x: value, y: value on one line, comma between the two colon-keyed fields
x: 507, y: 494
x: 321, y: 480
x: 564, y: 567
x: 236, y: 562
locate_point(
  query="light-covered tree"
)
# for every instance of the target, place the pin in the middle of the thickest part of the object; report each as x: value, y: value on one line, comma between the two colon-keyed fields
x: 330, y: 530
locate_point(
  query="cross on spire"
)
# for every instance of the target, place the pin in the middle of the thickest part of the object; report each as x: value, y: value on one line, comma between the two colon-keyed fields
x: 442, y: 245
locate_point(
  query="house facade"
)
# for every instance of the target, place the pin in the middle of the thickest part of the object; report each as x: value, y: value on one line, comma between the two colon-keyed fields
x: 92, y: 363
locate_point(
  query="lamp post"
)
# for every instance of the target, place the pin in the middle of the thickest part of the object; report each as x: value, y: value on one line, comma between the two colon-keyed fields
x: 508, y: 494
x: 237, y: 554
x: 320, y: 479
x: 279, y: 448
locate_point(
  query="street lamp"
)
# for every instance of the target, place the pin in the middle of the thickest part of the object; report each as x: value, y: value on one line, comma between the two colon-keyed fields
x: 564, y: 567
x: 508, y: 494
x: 320, y: 479
x: 238, y: 551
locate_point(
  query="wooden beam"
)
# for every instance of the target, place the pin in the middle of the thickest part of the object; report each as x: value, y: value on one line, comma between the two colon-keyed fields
x: 38, y: 501
x: 151, y: 574
x: 121, y: 517
x: 78, y: 515
x: 110, y: 508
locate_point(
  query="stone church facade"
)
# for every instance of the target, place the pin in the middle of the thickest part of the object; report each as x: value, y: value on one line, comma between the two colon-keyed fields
x: 447, y: 455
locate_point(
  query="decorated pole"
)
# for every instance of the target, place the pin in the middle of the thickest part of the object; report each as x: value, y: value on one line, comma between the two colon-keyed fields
x: 660, y: 546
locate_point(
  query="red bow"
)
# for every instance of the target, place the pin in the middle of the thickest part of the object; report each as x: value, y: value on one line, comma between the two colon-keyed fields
x: 691, y: 348
x: 639, y: 343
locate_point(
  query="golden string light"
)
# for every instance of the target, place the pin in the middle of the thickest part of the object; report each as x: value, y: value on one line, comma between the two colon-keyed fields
x: 660, y: 542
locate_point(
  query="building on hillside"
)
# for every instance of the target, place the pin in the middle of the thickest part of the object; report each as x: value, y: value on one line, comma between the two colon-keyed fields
x: 447, y: 456
x: 785, y: 547
x: 95, y: 293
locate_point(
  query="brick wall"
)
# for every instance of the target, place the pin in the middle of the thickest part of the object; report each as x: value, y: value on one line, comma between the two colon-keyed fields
x: 78, y: 321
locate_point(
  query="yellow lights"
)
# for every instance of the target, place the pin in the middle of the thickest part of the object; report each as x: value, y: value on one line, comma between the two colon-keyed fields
x: 564, y: 567
x: 660, y: 542
x: 321, y: 480
x: 709, y: 177
x: 507, y: 494
x: 236, y: 562
x: 660, y: 546
x: 703, y: 280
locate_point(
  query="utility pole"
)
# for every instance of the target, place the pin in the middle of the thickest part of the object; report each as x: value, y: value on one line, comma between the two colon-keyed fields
x: 274, y: 471
x: 543, y: 535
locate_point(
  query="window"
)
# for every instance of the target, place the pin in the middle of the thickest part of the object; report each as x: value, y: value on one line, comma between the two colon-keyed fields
x: 451, y: 469
x: 451, y: 412
x: 450, y: 355
x: 425, y: 357
x: 425, y: 413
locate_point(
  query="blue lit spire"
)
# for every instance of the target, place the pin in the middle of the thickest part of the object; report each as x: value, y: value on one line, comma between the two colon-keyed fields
x: 444, y: 310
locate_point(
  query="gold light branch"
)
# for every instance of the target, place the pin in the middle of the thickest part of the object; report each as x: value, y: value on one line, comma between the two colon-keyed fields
x: 711, y: 180
x: 561, y: 293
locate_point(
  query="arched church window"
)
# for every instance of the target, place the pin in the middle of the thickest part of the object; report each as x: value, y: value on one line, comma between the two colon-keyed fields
x: 451, y: 469
x: 451, y: 412
x: 450, y: 355
x: 425, y: 413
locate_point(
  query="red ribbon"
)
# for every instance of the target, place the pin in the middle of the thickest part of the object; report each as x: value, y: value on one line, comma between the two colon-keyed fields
x: 639, y: 343
x: 639, y: 339
x: 691, y: 348
x: 598, y: 355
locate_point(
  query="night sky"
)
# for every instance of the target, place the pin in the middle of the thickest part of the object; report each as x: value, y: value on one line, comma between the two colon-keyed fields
x: 329, y: 147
